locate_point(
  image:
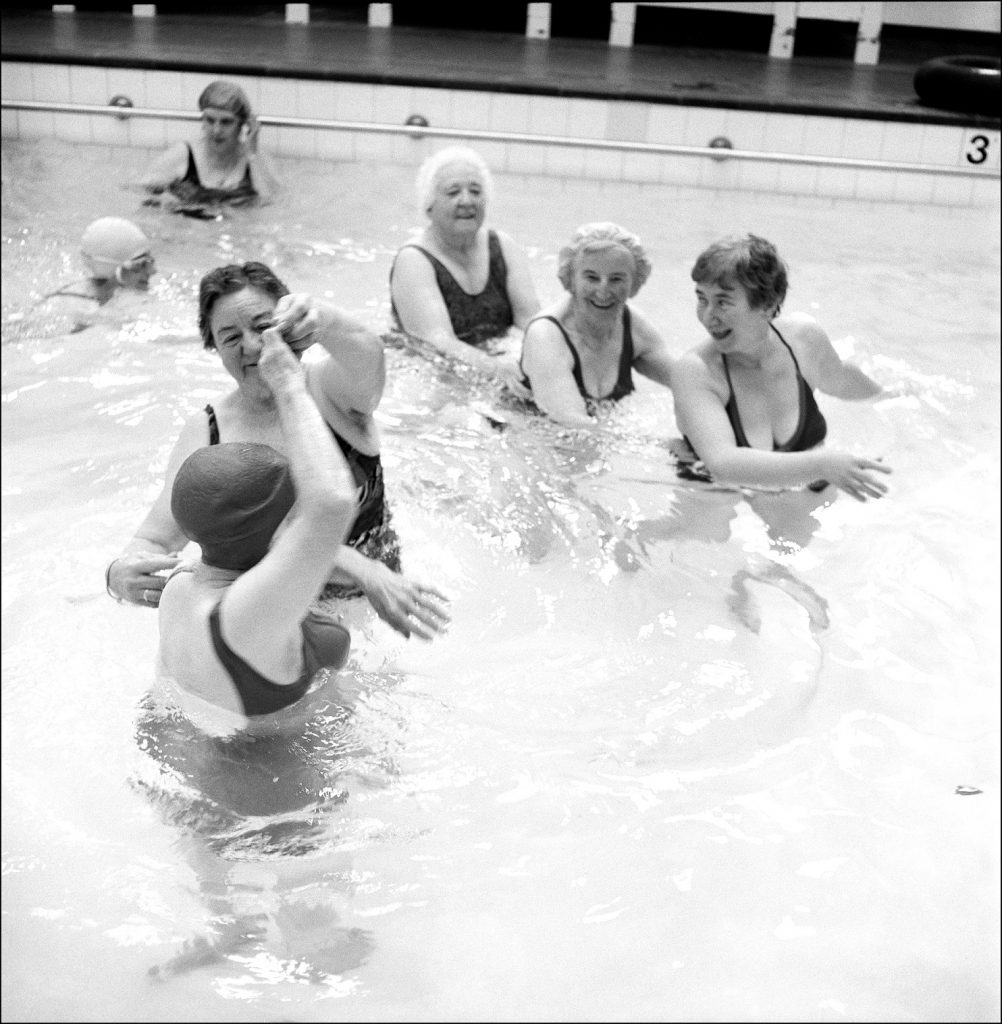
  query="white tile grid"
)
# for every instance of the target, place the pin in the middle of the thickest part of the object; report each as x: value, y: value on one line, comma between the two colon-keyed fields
x: 586, y: 119
x: 644, y: 168
x: 391, y: 104
x: 90, y: 85
x: 15, y: 80
x: 509, y: 112
x: 354, y: 101
x: 315, y: 100
x: 563, y: 161
x: 797, y: 179
x: 525, y: 158
x: 942, y: 145
x: 330, y: 144
x: 703, y: 125
x: 276, y: 96
x: 470, y: 109
x: 149, y: 132
x: 862, y: 139
x: 297, y: 142
x: 165, y: 90
x: 50, y: 83
x: 758, y: 176
x: 605, y: 165
x: 548, y: 115
x: 666, y: 124
x: 374, y: 148
x: 435, y: 105
x: 900, y: 143
x: 683, y: 171
x: 915, y: 189
x: 952, y: 191
x: 626, y: 121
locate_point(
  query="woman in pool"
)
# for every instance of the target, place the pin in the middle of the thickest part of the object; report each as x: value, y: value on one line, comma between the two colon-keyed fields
x: 235, y: 626
x: 744, y: 398
x: 223, y: 167
x: 117, y: 257
x: 461, y: 285
x: 237, y: 303
x: 583, y: 349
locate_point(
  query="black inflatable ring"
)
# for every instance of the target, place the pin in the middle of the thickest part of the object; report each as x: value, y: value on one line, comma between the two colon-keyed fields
x: 970, y: 84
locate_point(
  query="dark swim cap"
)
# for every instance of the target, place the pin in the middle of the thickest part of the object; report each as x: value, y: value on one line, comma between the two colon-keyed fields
x: 230, y: 498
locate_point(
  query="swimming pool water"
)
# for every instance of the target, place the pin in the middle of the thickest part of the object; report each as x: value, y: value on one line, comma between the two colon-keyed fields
x: 683, y: 755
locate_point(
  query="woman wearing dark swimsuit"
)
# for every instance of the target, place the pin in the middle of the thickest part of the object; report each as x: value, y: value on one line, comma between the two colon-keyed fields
x: 224, y: 166
x: 461, y: 285
x: 744, y: 398
x: 582, y: 350
x: 237, y: 303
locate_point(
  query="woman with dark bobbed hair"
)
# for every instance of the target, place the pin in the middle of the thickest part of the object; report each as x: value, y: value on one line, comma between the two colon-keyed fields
x: 222, y: 167
x: 582, y: 350
x: 237, y: 304
x: 744, y: 397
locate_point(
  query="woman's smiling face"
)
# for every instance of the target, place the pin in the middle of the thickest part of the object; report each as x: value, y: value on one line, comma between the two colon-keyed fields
x: 725, y: 311
x: 602, y: 281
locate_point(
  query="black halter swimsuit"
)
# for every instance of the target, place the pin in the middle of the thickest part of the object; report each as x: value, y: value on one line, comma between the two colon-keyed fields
x: 475, y: 318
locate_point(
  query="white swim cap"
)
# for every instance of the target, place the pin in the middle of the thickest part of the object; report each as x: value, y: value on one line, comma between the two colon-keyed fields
x: 111, y: 241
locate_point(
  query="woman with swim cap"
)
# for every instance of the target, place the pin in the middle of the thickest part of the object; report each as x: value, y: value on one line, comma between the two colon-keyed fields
x: 582, y: 350
x: 117, y: 255
x: 744, y: 397
x: 223, y: 167
x: 237, y: 304
x: 235, y: 626
x: 461, y: 285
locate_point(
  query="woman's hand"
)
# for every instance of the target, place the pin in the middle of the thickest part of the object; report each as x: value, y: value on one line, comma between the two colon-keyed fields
x: 135, y: 578
x: 253, y: 132
x: 855, y: 475
x: 278, y: 365
x: 406, y: 605
x: 298, y: 318
x: 508, y: 372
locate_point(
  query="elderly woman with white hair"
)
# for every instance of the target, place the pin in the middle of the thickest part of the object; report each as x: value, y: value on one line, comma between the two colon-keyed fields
x: 582, y: 350
x: 462, y: 285
x: 223, y: 166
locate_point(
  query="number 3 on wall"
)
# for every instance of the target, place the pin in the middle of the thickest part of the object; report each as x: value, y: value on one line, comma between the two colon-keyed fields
x: 979, y: 149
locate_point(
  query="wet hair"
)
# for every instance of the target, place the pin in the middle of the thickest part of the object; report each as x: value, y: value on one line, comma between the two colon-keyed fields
x: 602, y: 235
x: 749, y: 261
x: 429, y: 171
x: 228, y: 280
x: 225, y: 95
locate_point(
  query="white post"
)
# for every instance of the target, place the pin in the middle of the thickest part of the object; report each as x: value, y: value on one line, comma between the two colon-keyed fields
x: 537, y: 23
x: 871, y: 19
x: 297, y: 14
x: 380, y: 15
x: 784, y: 30
x: 621, y: 30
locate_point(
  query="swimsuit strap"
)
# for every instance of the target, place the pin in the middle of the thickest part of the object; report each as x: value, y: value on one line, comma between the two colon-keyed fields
x: 258, y: 694
x: 213, y: 425
x: 191, y: 174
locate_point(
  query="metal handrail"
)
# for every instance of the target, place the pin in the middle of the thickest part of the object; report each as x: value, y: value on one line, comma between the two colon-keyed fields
x: 417, y: 131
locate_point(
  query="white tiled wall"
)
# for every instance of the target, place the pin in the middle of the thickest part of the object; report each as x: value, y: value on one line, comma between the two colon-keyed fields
x: 612, y: 120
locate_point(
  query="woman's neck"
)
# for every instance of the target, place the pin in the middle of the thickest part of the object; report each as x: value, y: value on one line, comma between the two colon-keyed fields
x: 592, y: 331
x: 456, y: 246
